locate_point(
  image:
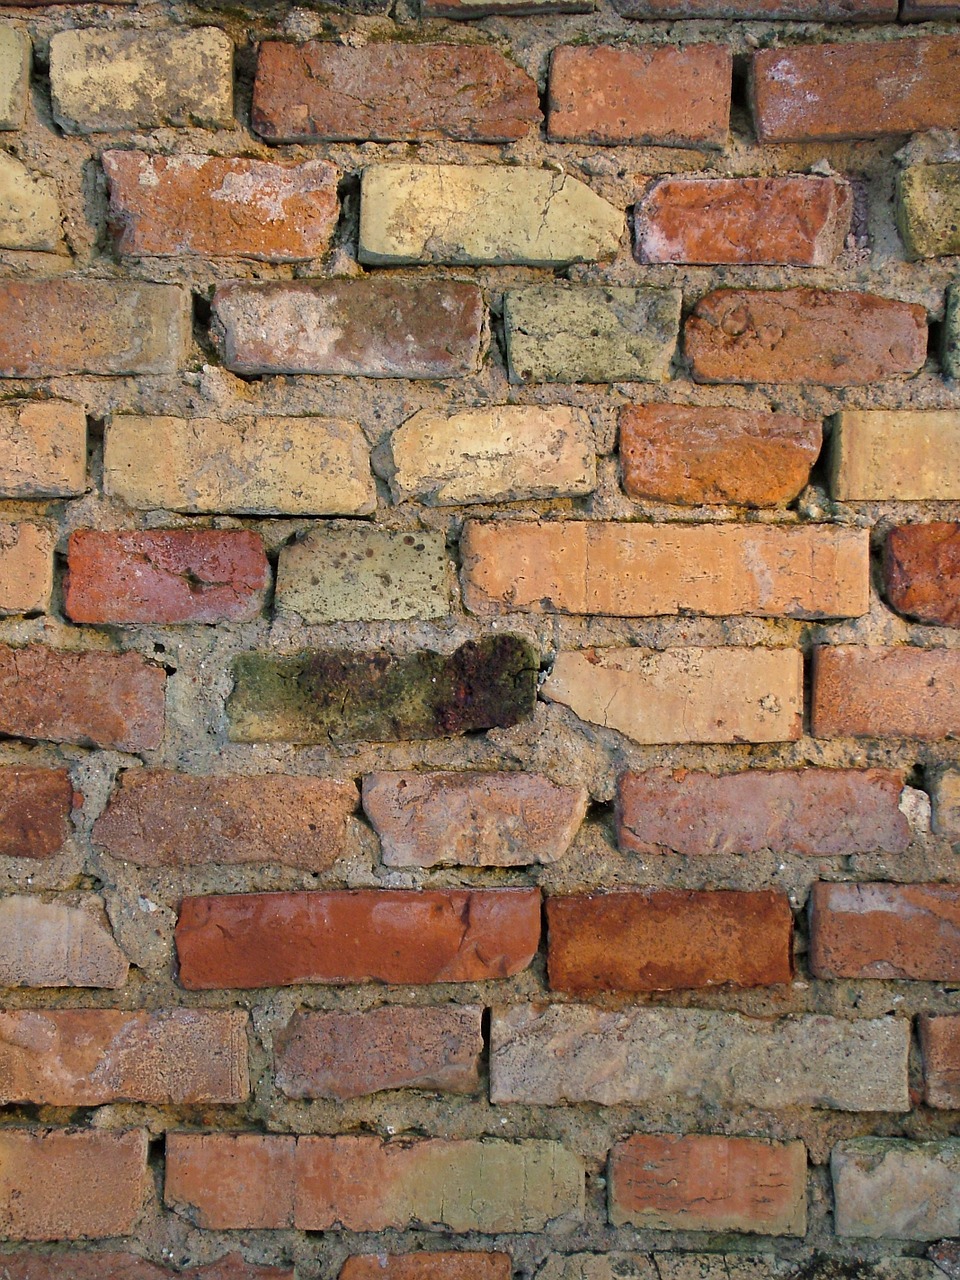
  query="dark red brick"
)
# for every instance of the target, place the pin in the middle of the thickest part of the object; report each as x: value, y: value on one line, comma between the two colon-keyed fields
x: 35, y: 806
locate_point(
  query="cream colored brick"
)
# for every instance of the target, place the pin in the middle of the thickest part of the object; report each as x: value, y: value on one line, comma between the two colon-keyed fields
x: 26, y: 566
x: 29, y: 208
x: 896, y: 455
x: 15, y: 54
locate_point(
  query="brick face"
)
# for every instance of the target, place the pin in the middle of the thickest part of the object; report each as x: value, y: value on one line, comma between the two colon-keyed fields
x: 885, y: 931
x: 35, y: 807
x: 43, y: 450
x: 863, y: 691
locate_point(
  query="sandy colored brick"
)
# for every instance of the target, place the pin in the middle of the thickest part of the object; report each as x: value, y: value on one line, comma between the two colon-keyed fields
x: 231, y: 1180
x: 87, y: 1057
x: 15, y: 54
x: 921, y: 571
x: 928, y: 209
x: 249, y: 466
x: 35, y: 808
x: 946, y: 804
x: 106, y: 79
x: 868, y: 691
x: 940, y: 1045
x: 56, y: 944
x: 446, y: 1265
x: 798, y: 10
x: 896, y: 455
x: 687, y: 1265
x: 29, y: 207
x: 43, y: 449
x: 77, y: 1264
x: 950, y: 349
x: 896, y: 1189
x: 26, y: 566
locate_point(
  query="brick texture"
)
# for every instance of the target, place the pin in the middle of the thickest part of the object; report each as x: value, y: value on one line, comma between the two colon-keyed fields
x: 26, y: 566
x: 74, y: 1264
x: 888, y: 455
x: 862, y: 691
x: 35, y: 808
x: 462, y: 1265
x: 895, y: 1188
x: 940, y: 1043
x: 43, y: 450
x: 921, y: 570
x: 57, y: 944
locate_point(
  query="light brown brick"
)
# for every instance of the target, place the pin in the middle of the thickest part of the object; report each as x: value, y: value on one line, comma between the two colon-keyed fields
x: 43, y: 450
x: 940, y: 1043
x: 896, y: 1189
x: 896, y: 455
x: 449, y: 1265
x: 885, y: 931
x: 26, y: 566
x: 867, y: 691
x: 52, y: 944
x: 227, y: 1180
x: 35, y: 807
x: 921, y: 571
x: 29, y: 206
x: 801, y: 10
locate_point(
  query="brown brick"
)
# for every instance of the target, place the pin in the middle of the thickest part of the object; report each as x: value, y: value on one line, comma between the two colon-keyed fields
x: 656, y: 94
x: 86, y: 1057
x: 940, y: 1043
x: 43, y: 450
x: 232, y: 1179
x: 75, y: 1264
x: 826, y: 92
x: 26, y: 566
x: 921, y: 570
x: 885, y: 931
x: 385, y: 92
x: 64, y: 1184
x: 802, y: 10
x: 348, y: 1055
x: 35, y: 807
x: 668, y: 940
x: 706, y: 1183
x: 95, y: 699
x: 830, y: 339
x: 692, y: 455
x: 460, y: 1265
x: 166, y: 576
x: 363, y: 935
x: 799, y: 221
x: 221, y: 207
x: 50, y: 944
x: 158, y: 818
x: 864, y: 691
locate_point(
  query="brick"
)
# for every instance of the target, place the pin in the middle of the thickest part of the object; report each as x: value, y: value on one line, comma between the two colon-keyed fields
x: 449, y: 213
x: 113, y: 700
x: 347, y: 572
x: 663, y: 1265
x: 250, y: 466
x: 799, y: 10
x: 15, y: 54
x: 449, y: 1265
x: 928, y: 10
x: 466, y: 10
x: 639, y: 570
x: 940, y: 1044
x: 498, y: 454
x: 895, y: 1189
x: 862, y: 691
x: 644, y: 94
x: 350, y: 1055
x: 338, y: 695
x: 78, y: 1265
x: 87, y: 1057
x: 896, y: 455
x: 946, y: 1257
x: 348, y: 936
x: 220, y: 207
x: 29, y: 207
x: 554, y: 1054
x: 950, y: 353
x: 801, y: 221
x: 705, y: 1183
x: 106, y: 79
x: 322, y: 90
x: 472, y: 819
x: 35, y: 808
x: 166, y: 576
x: 885, y: 931
x: 921, y: 570
x: 103, y: 327
x: 158, y: 818
x: 49, y: 944
x: 828, y: 92
x: 683, y: 695
x: 231, y: 1179
x: 668, y: 940
x: 830, y: 339
x: 694, y: 456
x: 26, y: 566
x: 928, y: 209
x: 807, y: 813
x: 368, y: 327
x: 590, y: 334
x: 66, y: 1184
x: 946, y: 804
x: 43, y: 450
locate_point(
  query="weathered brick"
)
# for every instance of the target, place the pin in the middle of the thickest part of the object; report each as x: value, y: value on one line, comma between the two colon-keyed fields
x: 348, y: 1055
x: 231, y: 1179
x: 921, y: 570
x: 830, y: 339
x: 863, y: 691
x: 449, y: 213
x: 26, y: 566
x: 810, y: 813
x: 639, y: 570
x: 220, y: 207
x: 86, y: 1057
x: 15, y: 54
x: 65, y: 1184
x: 705, y: 1183
x: 896, y: 455
x: 946, y: 804
x: 49, y: 944
x: 43, y: 450
x: 250, y: 466
x: 827, y: 92
x: 885, y: 931
x: 108, y: 79
x: 35, y: 807
x: 579, y: 1053
x: 800, y: 10
x: 363, y: 935
x: 668, y: 940
x: 683, y: 695
x: 338, y: 695
x: 76, y: 1264
x: 940, y: 1043
x: 448, y: 1265
x: 469, y: 9
x: 386, y: 91
x: 928, y: 209
x: 157, y: 818
x: 665, y: 1265
x: 590, y: 334
x: 950, y: 351
x: 471, y: 819
x: 893, y: 1188
x: 29, y: 207
x: 102, y: 326
x: 928, y: 10
x: 651, y: 93
x: 95, y: 699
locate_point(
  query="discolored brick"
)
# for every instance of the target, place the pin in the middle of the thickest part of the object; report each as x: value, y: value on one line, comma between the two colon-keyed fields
x: 460, y: 1265
x: 945, y: 794
x: 868, y: 691
x: 52, y: 944
x: 940, y: 1044
x: 921, y: 569
x: 894, y: 1188
x: 950, y: 342
x: 26, y: 566
x: 15, y: 54
x: 895, y: 455
x: 43, y: 449
x: 928, y: 209
x: 35, y: 807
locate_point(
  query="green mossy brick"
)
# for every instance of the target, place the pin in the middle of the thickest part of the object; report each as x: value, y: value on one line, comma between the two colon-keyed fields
x: 928, y: 209
x: 951, y: 333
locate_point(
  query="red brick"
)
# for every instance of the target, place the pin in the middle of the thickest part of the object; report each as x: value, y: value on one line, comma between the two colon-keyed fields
x: 462, y: 1265
x: 811, y: 813
x: 656, y: 94
x: 928, y: 10
x: 885, y: 931
x: 57, y: 944
x: 221, y: 207
x: 35, y: 807
x: 43, y: 449
x: 26, y: 566
x: 863, y: 691
x: 232, y: 1180
x: 166, y: 576
x: 348, y: 936
x: 95, y: 699
x: 668, y: 940
x: 921, y: 570
x: 827, y: 92
x: 75, y: 1264
x: 692, y: 455
x: 940, y: 1044
x: 830, y: 339
x: 65, y: 1184
x: 386, y: 92
x: 705, y: 1183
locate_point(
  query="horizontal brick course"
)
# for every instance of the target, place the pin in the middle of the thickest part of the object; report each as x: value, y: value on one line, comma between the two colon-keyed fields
x: 35, y: 808
x: 868, y: 691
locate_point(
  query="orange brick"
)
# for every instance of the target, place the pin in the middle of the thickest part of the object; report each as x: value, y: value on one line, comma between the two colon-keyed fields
x: 35, y: 806
x: 885, y: 931
x: 864, y: 691
x: 232, y: 1179
x: 43, y: 450
x: 75, y: 1264
x: 26, y: 566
